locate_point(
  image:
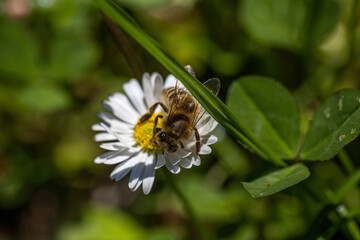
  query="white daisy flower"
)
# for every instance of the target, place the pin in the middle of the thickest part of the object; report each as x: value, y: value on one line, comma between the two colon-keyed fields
x: 131, y: 145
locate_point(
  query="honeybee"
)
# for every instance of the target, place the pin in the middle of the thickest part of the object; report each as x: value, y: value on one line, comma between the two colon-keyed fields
x: 181, y: 112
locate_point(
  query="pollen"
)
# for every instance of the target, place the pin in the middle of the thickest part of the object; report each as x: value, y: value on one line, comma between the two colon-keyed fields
x: 143, y: 133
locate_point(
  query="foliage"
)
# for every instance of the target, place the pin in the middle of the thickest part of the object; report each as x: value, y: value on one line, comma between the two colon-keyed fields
x: 289, y: 74
x: 277, y: 181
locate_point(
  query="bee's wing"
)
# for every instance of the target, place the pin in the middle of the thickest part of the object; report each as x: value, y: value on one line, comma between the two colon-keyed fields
x: 213, y: 84
x: 179, y: 95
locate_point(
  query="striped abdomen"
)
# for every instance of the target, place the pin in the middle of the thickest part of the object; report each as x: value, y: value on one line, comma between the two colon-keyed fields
x: 179, y: 100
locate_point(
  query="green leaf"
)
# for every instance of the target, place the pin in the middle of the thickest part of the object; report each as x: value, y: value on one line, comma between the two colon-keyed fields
x: 276, y: 22
x: 209, y: 101
x: 289, y: 23
x: 277, y: 181
x: 335, y: 124
x: 269, y: 111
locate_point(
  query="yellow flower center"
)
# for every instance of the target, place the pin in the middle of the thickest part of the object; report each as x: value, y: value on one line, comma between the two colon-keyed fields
x: 143, y: 133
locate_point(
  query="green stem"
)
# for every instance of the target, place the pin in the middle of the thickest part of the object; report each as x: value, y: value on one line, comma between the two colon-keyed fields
x: 351, y: 182
x: 351, y: 33
x: 341, y: 221
x: 351, y: 37
x: 346, y: 161
x: 330, y: 205
x: 195, y: 223
x: 353, y: 229
x: 350, y: 224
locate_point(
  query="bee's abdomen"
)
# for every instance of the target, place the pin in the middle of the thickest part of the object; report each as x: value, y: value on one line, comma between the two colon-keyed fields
x: 182, y: 100
x: 169, y: 93
x: 179, y: 125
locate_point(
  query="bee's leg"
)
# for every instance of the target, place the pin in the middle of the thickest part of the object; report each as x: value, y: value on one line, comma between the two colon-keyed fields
x: 197, y: 145
x: 152, y: 110
x: 156, y: 129
x: 181, y: 144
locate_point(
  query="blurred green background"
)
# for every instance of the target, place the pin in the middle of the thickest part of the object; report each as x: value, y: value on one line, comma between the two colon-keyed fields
x: 58, y: 61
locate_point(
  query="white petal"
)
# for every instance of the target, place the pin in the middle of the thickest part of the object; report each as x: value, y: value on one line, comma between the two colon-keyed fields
x: 121, y: 107
x: 160, y: 161
x: 113, y: 122
x: 158, y: 84
x: 124, y: 168
x: 203, y: 120
x: 149, y: 174
x: 120, y: 157
x: 127, y: 139
x: 170, y: 81
x: 121, y: 101
x: 102, y: 158
x: 196, y: 160
x: 112, y: 146
x: 138, y: 184
x: 148, y: 90
x: 205, y: 149
x: 114, y: 157
x: 185, y: 163
x: 136, y: 95
x: 172, y: 168
x: 145, y: 76
x: 182, y: 153
x: 119, y: 128
x: 97, y: 127
x: 204, y: 140
x: 137, y: 172
x: 208, y: 127
x: 104, y: 136
x: 209, y: 139
x: 174, y: 158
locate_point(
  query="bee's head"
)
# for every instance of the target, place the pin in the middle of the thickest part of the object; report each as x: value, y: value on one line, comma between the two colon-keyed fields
x: 167, y: 142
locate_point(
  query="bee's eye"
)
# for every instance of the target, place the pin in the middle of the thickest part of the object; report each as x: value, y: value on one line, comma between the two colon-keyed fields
x: 162, y: 136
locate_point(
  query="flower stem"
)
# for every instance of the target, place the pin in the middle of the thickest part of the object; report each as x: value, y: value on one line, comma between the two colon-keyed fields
x: 197, y: 226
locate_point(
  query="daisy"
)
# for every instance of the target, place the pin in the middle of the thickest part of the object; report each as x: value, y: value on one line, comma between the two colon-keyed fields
x: 131, y: 145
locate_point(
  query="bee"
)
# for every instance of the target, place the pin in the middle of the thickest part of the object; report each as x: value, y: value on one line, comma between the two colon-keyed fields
x: 181, y: 112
